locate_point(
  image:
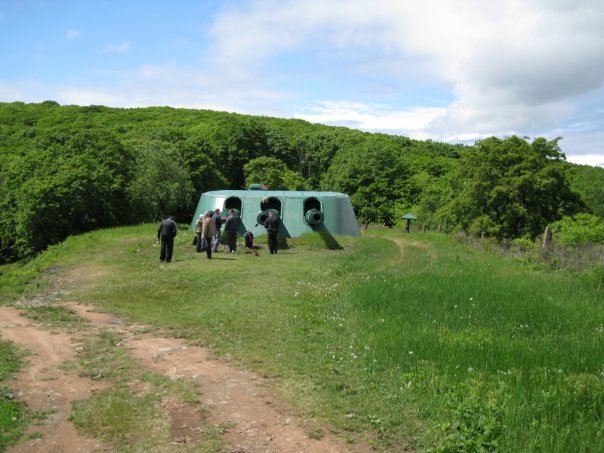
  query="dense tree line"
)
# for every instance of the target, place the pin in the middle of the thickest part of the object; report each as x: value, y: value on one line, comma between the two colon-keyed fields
x: 69, y: 169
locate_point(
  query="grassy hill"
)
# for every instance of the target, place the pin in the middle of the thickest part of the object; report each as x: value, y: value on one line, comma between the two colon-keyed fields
x: 414, y: 340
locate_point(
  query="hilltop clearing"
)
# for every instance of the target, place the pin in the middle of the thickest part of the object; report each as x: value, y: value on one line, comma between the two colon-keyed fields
x: 397, y: 342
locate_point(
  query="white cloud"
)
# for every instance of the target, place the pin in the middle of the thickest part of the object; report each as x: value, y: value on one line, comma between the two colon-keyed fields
x: 10, y: 92
x: 596, y: 160
x: 87, y: 96
x: 72, y: 34
x: 382, y: 118
x: 514, y: 66
x: 117, y: 48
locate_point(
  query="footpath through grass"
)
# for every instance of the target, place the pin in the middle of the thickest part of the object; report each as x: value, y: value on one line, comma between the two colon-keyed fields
x: 414, y: 340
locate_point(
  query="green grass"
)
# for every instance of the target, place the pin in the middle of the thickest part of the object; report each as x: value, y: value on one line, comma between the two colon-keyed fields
x: 12, y: 414
x: 419, y: 343
x: 51, y: 317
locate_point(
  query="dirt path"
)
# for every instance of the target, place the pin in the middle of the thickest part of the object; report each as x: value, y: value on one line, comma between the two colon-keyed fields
x: 44, y: 386
x: 235, y: 398
x: 403, y: 245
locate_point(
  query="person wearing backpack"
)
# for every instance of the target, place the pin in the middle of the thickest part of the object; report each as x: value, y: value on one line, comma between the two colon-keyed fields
x: 231, y: 225
x: 219, y: 221
x: 272, y: 224
x: 166, y: 233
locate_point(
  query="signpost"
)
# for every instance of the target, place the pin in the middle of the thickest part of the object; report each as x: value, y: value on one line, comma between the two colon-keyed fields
x: 409, y: 217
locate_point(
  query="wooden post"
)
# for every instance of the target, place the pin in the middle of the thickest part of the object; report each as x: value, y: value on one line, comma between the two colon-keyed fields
x: 547, y: 237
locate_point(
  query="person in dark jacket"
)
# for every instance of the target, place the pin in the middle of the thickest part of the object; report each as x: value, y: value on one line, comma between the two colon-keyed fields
x: 166, y: 233
x: 231, y: 225
x: 272, y: 227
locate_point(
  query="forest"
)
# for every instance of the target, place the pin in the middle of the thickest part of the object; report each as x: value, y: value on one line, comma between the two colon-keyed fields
x: 70, y: 169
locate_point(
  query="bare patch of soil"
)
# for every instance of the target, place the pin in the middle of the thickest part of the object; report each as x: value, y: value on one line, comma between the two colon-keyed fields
x: 237, y: 401
x: 185, y: 422
x: 44, y: 386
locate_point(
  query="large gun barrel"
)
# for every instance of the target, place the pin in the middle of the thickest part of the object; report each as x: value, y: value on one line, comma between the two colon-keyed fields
x: 263, y: 215
x: 313, y: 217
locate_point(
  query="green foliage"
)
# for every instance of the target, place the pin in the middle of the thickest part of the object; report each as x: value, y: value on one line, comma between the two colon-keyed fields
x: 589, y: 183
x: 476, y: 424
x: 374, y: 175
x: 63, y: 185
x: 272, y: 173
x: 237, y: 140
x: 580, y: 229
x: 200, y: 160
x: 70, y: 169
x: 510, y: 188
x: 160, y: 185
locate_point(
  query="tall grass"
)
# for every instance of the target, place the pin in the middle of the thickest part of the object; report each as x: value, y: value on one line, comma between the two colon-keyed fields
x: 416, y: 341
x: 457, y: 330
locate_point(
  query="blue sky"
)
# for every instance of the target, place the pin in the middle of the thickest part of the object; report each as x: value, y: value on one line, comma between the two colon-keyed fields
x: 448, y: 70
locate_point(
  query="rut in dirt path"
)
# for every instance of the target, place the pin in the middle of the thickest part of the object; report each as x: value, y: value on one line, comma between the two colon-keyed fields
x: 44, y: 386
x: 241, y: 400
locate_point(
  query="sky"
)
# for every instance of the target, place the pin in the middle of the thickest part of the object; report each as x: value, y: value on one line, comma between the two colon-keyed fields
x: 447, y: 70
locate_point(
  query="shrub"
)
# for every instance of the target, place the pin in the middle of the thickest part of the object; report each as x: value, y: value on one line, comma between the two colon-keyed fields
x: 580, y: 229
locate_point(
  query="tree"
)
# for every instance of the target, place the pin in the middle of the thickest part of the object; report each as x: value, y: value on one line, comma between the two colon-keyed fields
x: 272, y: 173
x: 582, y: 229
x: 375, y: 178
x: 161, y: 184
x: 64, y: 186
x: 589, y: 183
x: 510, y: 188
x: 237, y: 140
x: 203, y: 170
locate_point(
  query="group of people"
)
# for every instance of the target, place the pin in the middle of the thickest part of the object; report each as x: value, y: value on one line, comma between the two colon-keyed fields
x: 208, y: 232
x: 207, y: 229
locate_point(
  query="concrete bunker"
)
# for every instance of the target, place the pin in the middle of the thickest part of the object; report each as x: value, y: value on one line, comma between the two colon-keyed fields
x: 327, y: 213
